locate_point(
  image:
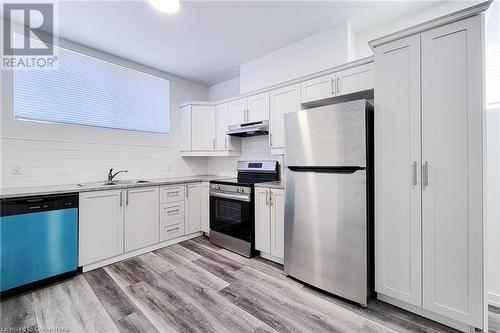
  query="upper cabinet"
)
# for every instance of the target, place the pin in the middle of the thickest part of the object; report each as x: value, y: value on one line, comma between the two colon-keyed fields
x: 204, y: 127
x: 345, y: 82
x: 224, y: 141
x: 429, y: 171
x: 249, y: 109
x: 282, y: 101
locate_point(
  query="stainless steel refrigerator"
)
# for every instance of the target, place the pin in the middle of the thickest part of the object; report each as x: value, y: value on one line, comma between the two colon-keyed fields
x: 328, y: 218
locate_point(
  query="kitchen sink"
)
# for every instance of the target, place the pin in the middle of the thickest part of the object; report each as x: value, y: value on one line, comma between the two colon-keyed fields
x: 114, y: 182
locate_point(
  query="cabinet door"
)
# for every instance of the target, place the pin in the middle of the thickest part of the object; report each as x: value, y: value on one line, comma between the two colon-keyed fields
x: 100, y: 226
x: 258, y: 107
x: 262, y: 220
x: 237, y: 111
x: 193, y: 208
x: 283, y: 100
x: 397, y: 177
x: 452, y: 153
x: 185, y: 112
x: 355, y: 79
x: 205, y: 208
x: 318, y: 88
x: 203, y: 127
x: 141, y: 217
x: 278, y: 223
x: 222, y: 115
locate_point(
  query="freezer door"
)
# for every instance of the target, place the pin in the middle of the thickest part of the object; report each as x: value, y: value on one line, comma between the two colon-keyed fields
x: 333, y: 135
x: 326, y: 231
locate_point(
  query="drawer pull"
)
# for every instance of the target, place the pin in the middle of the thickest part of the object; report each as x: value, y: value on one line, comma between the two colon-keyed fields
x: 173, y: 211
x: 174, y: 229
x: 172, y: 193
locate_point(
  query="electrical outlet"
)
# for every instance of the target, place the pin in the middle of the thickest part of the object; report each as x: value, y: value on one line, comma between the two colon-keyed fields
x: 16, y: 169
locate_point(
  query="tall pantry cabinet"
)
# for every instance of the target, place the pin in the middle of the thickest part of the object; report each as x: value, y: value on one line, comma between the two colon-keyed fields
x: 429, y: 171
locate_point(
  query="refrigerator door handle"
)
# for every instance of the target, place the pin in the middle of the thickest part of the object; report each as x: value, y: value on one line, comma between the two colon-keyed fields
x: 414, y: 173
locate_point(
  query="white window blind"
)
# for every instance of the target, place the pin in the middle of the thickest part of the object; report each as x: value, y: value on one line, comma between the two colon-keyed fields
x: 493, y: 56
x: 92, y: 92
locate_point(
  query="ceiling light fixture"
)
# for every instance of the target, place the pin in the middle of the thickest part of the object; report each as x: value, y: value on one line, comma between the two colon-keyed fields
x: 166, y: 6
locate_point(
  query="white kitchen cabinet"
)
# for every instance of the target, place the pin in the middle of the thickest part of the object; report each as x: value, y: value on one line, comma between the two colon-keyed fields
x: 344, y: 82
x: 185, y: 112
x: 205, y: 207
x: 100, y: 224
x: 141, y: 217
x: 428, y: 171
x: 282, y: 101
x: 203, y: 127
x: 397, y: 160
x: 172, y: 193
x: 193, y: 208
x: 277, y: 202
x: 237, y: 111
x: 355, y: 79
x: 318, y: 88
x: 224, y: 141
x: 452, y: 158
x: 258, y: 107
x: 269, y: 222
x: 262, y: 220
x: 250, y: 109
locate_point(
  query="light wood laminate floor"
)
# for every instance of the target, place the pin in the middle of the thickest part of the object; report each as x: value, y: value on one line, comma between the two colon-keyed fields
x: 198, y: 287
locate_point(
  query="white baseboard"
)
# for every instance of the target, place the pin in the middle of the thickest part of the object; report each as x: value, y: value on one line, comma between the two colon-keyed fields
x: 425, y: 313
x: 494, y: 299
x: 137, y: 252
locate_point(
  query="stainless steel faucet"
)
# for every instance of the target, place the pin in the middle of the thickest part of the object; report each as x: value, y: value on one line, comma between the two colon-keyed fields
x: 111, y: 175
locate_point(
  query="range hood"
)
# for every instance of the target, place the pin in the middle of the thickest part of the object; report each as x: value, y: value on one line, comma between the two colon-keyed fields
x: 249, y: 129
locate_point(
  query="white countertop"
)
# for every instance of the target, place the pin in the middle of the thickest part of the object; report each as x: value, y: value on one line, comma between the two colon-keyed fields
x: 13, y: 192
x: 278, y: 184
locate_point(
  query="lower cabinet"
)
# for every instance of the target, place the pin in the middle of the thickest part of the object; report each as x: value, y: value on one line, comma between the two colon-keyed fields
x: 100, y: 226
x: 193, y: 208
x: 269, y: 222
x: 141, y: 217
x: 205, y: 207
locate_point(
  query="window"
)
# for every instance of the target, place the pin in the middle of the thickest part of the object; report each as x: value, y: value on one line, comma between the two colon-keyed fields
x: 91, y: 92
x: 493, y: 56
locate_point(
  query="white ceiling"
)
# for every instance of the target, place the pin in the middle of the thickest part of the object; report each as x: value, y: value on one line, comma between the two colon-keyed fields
x: 207, y: 41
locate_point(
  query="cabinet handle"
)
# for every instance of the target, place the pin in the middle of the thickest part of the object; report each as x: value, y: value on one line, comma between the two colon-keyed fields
x: 126, y: 198
x: 213, y: 143
x: 121, y: 199
x: 173, y: 211
x: 425, y: 181
x: 187, y: 191
x: 225, y: 143
x: 270, y: 139
x: 267, y: 198
x: 334, y: 86
x: 338, y: 86
x: 174, y: 229
x: 170, y: 193
x: 414, y: 173
x: 270, y: 197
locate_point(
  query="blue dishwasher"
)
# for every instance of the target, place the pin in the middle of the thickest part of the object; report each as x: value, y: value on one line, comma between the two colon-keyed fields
x: 38, y: 239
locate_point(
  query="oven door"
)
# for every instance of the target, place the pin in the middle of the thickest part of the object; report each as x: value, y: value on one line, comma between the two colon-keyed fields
x: 232, y: 217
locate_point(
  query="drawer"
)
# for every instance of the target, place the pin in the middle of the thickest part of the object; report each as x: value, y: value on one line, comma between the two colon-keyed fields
x: 170, y: 212
x: 171, y: 193
x: 172, y: 231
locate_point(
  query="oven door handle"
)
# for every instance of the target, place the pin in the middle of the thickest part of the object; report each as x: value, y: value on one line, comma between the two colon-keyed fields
x: 238, y: 197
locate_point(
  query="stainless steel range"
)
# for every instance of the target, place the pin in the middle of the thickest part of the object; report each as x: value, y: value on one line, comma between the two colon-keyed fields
x: 232, y: 218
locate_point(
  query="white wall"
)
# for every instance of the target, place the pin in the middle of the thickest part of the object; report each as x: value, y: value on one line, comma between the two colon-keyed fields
x: 225, y: 89
x: 492, y: 205
x: 362, y: 49
x: 253, y: 148
x: 62, y: 154
x: 318, y: 52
